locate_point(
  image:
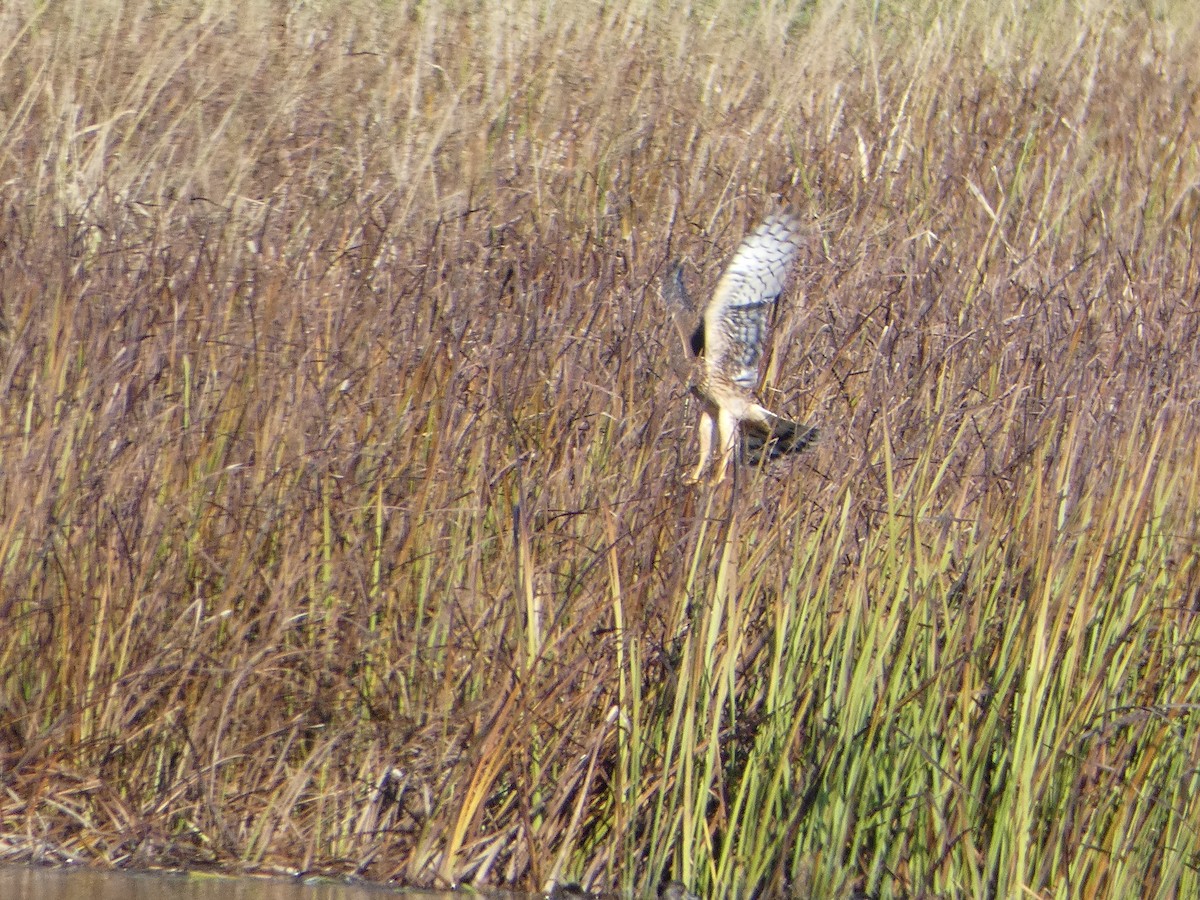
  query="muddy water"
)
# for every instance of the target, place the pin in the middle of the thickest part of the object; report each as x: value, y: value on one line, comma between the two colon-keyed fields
x: 88, y: 884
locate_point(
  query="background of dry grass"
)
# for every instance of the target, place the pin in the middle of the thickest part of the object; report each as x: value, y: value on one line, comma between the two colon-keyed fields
x: 341, y: 525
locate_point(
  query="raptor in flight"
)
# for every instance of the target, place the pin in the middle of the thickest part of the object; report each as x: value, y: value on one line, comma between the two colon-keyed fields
x: 729, y: 338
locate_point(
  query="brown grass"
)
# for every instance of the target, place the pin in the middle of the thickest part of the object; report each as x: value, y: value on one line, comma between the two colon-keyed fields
x: 341, y: 523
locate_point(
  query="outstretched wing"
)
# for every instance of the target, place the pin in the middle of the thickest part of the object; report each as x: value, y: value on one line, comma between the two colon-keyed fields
x: 684, y: 314
x: 735, y: 320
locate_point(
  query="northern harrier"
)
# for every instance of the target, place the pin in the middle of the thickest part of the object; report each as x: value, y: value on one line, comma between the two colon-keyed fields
x: 729, y: 337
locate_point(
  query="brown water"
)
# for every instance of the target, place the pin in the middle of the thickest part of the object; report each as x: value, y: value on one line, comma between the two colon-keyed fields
x: 21, y: 883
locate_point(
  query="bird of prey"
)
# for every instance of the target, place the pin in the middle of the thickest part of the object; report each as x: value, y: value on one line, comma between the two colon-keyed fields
x: 728, y: 339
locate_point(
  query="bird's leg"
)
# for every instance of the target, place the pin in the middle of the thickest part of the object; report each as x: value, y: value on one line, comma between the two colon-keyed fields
x: 727, y: 425
x: 705, y: 431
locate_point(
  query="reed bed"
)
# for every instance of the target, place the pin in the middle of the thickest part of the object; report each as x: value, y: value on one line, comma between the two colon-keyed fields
x: 342, y: 526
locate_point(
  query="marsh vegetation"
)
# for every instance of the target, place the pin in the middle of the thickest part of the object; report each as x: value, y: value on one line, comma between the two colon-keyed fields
x: 342, y: 526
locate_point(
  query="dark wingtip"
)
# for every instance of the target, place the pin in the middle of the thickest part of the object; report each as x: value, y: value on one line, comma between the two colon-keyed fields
x: 674, y: 290
x: 801, y: 438
x: 696, y: 342
x: 788, y: 437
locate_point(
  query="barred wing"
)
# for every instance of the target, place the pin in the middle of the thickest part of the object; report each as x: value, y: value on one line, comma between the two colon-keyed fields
x: 735, y: 320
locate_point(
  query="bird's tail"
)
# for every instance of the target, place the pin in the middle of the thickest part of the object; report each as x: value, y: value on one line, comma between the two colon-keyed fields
x: 768, y: 436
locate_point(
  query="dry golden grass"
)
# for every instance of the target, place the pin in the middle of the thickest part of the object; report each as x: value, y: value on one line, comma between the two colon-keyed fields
x: 341, y: 521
